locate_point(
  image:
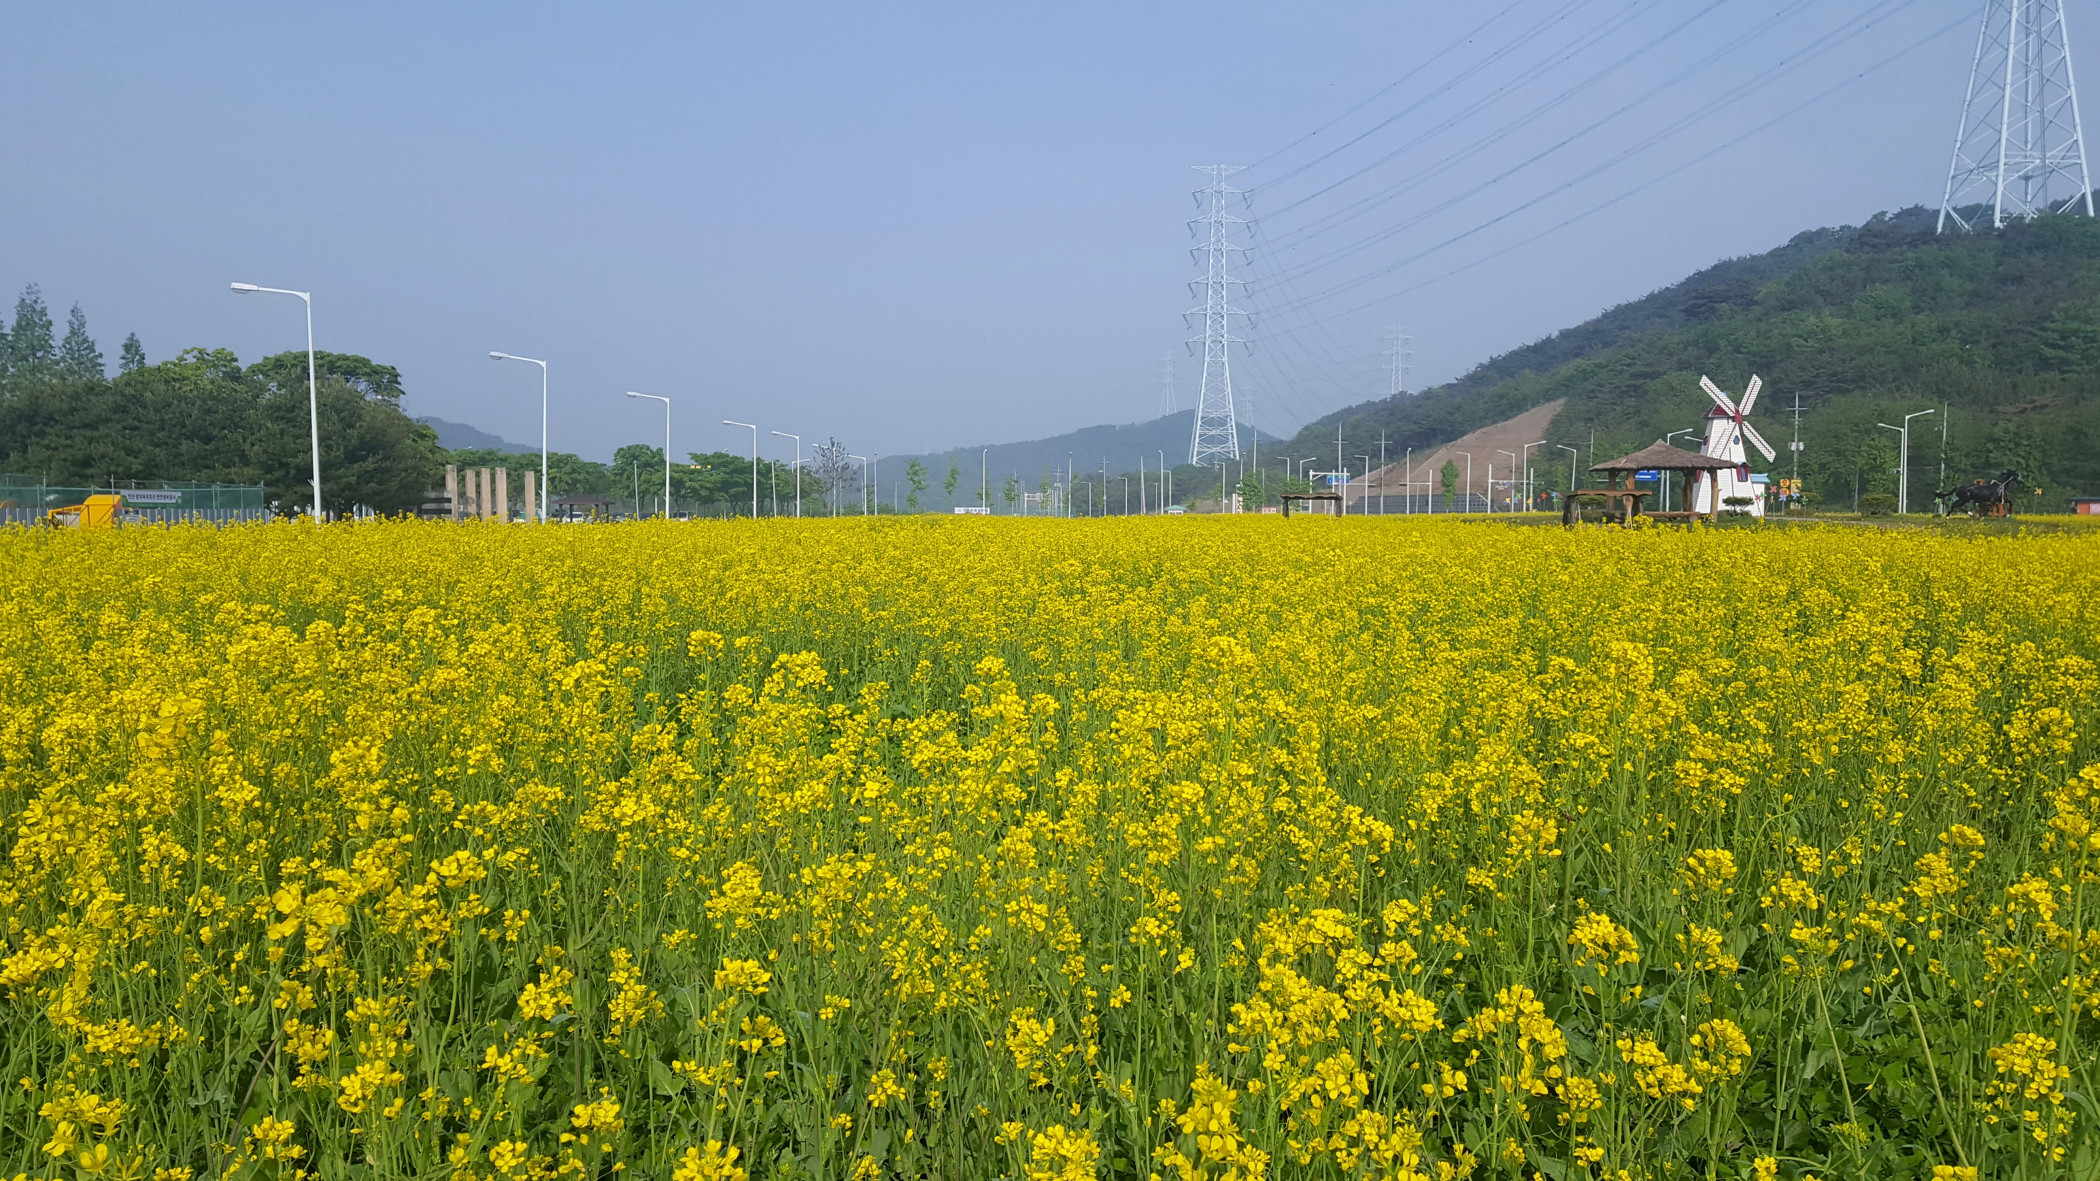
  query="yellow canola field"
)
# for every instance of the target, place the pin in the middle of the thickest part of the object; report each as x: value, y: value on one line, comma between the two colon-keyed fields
x: 1221, y: 848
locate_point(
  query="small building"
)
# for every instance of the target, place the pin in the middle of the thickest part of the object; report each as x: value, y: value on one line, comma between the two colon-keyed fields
x: 2086, y: 506
x: 581, y: 508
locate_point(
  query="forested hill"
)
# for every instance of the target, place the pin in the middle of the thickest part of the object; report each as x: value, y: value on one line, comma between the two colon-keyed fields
x: 1863, y: 323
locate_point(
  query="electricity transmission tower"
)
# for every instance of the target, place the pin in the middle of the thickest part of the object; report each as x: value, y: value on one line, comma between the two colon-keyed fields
x: 1166, y: 385
x: 2019, y: 147
x: 1217, y: 433
x: 1401, y: 355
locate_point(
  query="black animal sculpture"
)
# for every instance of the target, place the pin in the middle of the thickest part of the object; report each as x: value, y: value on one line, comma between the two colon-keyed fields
x: 1983, y: 496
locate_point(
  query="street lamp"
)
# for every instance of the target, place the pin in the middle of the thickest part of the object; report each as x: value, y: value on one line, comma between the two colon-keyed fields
x: 543, y: 424
x: 1469, y: 481
x: 1513, y: 461
x: 863, y: 481
x: 1903, y: 460
x: 313, y: 397
x: 1574, y: 457
x: 1126, y: 494
x: 798, y: 469
x: 667, y: 444
x: 1527, y: 472
x: 1666, y: 483
x: 1365, y: 498
x: 725, y: 422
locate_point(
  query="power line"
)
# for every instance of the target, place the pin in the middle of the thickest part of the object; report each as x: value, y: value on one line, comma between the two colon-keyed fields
x: 1652, y: 92
x: 1624, y: 17
x: 1525, y: 38
x: 1684, y: 122
x: 1421, y: 176
x: 1652, y: 181
x: 1382, y: 91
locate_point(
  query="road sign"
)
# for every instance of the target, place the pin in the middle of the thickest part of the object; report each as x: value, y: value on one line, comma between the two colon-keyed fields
x: 1650, y: 474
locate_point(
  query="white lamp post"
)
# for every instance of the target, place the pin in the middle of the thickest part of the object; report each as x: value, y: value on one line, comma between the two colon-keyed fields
x: 754, y: 461
x: 1491, y: 475
x: 313, y: 397
x: 1903, y: 461
x: 1574, y: 456
x: 863, y: 481
x: 1666, y: 481
x: 798, y: 469
x: 1469, y: 480
x: 667, y: 445
x: 543, y: 424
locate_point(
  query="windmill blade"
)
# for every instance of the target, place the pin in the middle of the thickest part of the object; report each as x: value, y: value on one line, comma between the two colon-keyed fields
x: 1750, y: 395
x: 1713, y: 391
x: 1750, y: 433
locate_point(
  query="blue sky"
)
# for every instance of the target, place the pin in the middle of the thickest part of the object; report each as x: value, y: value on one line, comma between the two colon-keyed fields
x: 926, y: 225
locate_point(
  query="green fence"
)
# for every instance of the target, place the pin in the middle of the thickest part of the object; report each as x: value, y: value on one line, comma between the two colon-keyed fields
x: 25, y: 499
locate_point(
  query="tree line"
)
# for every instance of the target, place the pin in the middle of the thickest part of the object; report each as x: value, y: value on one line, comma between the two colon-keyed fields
x: 204, y: 416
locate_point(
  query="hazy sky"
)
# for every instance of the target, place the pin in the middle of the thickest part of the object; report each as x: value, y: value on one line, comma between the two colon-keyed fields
x: 914, y: 225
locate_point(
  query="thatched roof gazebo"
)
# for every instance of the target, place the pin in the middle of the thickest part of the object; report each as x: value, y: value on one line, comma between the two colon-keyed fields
x: 1623, y: 500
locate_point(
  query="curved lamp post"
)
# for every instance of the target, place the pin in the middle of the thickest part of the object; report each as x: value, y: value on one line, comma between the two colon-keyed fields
x: 667, y: 445
x: 543, y: 424
x: 313, y: 397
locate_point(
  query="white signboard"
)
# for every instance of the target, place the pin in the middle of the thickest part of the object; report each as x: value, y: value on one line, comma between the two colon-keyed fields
x: 151, y: 496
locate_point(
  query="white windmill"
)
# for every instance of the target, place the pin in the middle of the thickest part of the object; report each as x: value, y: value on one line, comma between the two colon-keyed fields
x: 1725, y: 432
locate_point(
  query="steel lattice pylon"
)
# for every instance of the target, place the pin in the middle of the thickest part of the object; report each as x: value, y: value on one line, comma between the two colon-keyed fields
x: 2019, y: 147
x: 1217, y: 433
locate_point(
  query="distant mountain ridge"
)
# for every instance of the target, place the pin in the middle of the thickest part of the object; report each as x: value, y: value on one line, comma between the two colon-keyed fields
x: 1121, y: 446
x: 458, y: 436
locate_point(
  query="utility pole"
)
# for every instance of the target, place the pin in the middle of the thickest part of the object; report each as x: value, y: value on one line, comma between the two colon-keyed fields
x: 1381, y: 474
x: 1341, y: 467
x: 1217, y: 434
x: 1795, y: 447
x: 1254, y: 438
x: 2019, y: 147
x: 1944, y: 416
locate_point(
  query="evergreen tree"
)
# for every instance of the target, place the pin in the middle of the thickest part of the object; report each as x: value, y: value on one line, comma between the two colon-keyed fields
x: 133, y: 358
x: 77, y: 354
x: 948, y: 481
x: 31, y: 352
